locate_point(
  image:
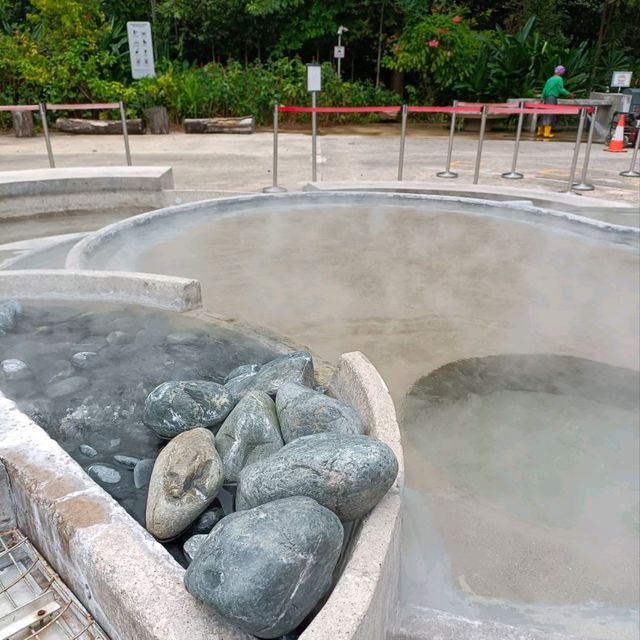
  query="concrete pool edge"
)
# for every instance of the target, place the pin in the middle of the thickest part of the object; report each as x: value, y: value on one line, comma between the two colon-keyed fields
x: 82, y: 255
x: 91, y: 541
x: 161, y: 292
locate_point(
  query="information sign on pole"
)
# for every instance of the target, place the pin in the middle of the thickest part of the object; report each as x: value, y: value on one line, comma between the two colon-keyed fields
x: 141, y: 49
x: 338, y: 52
x: 314, y: 78
x: 621, y: 79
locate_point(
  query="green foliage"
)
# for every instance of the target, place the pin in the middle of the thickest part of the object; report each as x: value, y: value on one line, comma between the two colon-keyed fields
x: 234, y: 90
x: 518, y: 65
x: 440, y: 48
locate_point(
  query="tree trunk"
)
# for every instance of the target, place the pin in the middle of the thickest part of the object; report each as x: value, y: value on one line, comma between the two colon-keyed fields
x: 157, y: 120
x: 98, y: 127
x: 246, y: 124
x: 23, y: 124
x: 397, y: 82
x: 380, y: 37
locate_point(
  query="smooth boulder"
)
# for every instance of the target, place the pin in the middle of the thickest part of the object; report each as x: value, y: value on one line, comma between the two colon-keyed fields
x: 303, y: 412
x: 250, y: 433
x: 293, y: 367
x: 174, y: 407
x: 344, y: 473
x: 9, y: 312
x: 186, y: 478
x: 265, y: 569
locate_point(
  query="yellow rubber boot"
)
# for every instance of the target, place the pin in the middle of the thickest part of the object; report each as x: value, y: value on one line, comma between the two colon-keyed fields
x: 547, y: 131
x: 539, y: 131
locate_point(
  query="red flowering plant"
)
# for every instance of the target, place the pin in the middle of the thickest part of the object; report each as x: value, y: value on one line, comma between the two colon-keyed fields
x: 441, y: 47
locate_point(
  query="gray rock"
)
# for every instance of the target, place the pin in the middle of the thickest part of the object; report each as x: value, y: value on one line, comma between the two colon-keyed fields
x: 105, y: 473
x: 239, y: 385
x: 191, y: 546
x: 119, y: 338
x: 249, y: 433
x: 85, y: 359
x: 9, y: 312
x: 207, y: 520
x: 67, y: 387
x: 293, y: 367
x: 64, y: 371
x: 40, y: 410
x: 128, y: 462
x: 186, y: 477
x: 243, y: 370
x: 14, y: 370
x: 347, y: 474
x: 303, y: 412
x: 183, y: 338
x: 142, y: 473
x: 87, y: 450
x: 174, y: 407
x: 267, y: 568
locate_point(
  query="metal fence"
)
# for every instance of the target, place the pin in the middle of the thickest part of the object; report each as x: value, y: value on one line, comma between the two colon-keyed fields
x: 42, y: 108
x: 481, y: 110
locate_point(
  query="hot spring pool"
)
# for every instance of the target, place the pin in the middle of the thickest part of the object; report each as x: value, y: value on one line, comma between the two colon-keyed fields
x: 521, y: 505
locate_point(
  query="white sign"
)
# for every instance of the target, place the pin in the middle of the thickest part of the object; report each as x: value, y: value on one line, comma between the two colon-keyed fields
x: 621, y: 79
x: 338, y: 52
x: 314, y: 77
x: 141, y: 49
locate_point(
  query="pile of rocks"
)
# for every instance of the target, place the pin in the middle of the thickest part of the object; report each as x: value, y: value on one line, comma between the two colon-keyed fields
x: 302, y: 466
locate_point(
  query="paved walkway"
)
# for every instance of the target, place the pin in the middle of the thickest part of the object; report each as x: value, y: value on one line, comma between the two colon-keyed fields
x: 241, y: 163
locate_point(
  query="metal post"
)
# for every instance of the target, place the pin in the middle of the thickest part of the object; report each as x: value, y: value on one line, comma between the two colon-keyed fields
x: 403, y: 132
x: 632, y: 173
x: 447, y: 173
x: 314, y: 169
x: 483, y: 124
x: 513, y: 174
x: 339, y: 59
x: 583, y: 185
x: 125, y: 133
x: 576, y: 150
x: 274, y: 188
x: 45, y: 129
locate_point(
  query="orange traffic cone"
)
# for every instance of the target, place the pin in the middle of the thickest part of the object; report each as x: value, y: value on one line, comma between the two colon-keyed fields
x: 616, y: 144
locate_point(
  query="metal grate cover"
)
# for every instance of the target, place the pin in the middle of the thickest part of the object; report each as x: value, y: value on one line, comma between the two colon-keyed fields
x: 34, y: 603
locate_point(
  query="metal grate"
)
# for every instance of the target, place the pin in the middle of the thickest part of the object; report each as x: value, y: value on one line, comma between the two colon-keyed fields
x: 34, y: 603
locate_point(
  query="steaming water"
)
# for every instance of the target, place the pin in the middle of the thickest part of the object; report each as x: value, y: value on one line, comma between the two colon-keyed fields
x: 106, y: 413
x: 530, y: 517
x: 522, y: 507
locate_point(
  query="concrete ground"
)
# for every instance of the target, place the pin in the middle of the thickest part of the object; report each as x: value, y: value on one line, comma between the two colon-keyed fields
x: 242, y: 163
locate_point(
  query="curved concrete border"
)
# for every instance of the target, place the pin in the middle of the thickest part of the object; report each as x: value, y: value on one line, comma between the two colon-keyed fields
x: 38, y: 191
x: 162, y: 292
x: 124, y: 577
x: 83, y: 255
x: 362, y: 604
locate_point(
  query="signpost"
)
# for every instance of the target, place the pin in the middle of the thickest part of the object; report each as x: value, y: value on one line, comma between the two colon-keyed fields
x: 338, y: 52
x: 621, y: 79
x: 314, y: 84
x: 141, y: 50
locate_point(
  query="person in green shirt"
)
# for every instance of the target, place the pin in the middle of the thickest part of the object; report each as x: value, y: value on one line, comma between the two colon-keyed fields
x: 553, y: 89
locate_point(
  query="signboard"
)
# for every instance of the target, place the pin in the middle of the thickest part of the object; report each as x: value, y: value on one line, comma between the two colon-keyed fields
x: 621, y: 79
x: 140, y: 49
x: 314, y: 78
x: 338, y: 52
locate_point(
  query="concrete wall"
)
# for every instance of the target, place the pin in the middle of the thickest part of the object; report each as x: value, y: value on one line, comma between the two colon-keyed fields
x: 163, y: 292
x: 40, y: 191
x: 362, y: 604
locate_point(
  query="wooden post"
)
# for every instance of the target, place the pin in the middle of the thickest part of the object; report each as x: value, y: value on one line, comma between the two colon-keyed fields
x: 23, y: 124
x: 157, y: 120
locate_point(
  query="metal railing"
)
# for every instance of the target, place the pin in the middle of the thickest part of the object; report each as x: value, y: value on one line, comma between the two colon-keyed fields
x: 481, y: 110
x: 44, y: 107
